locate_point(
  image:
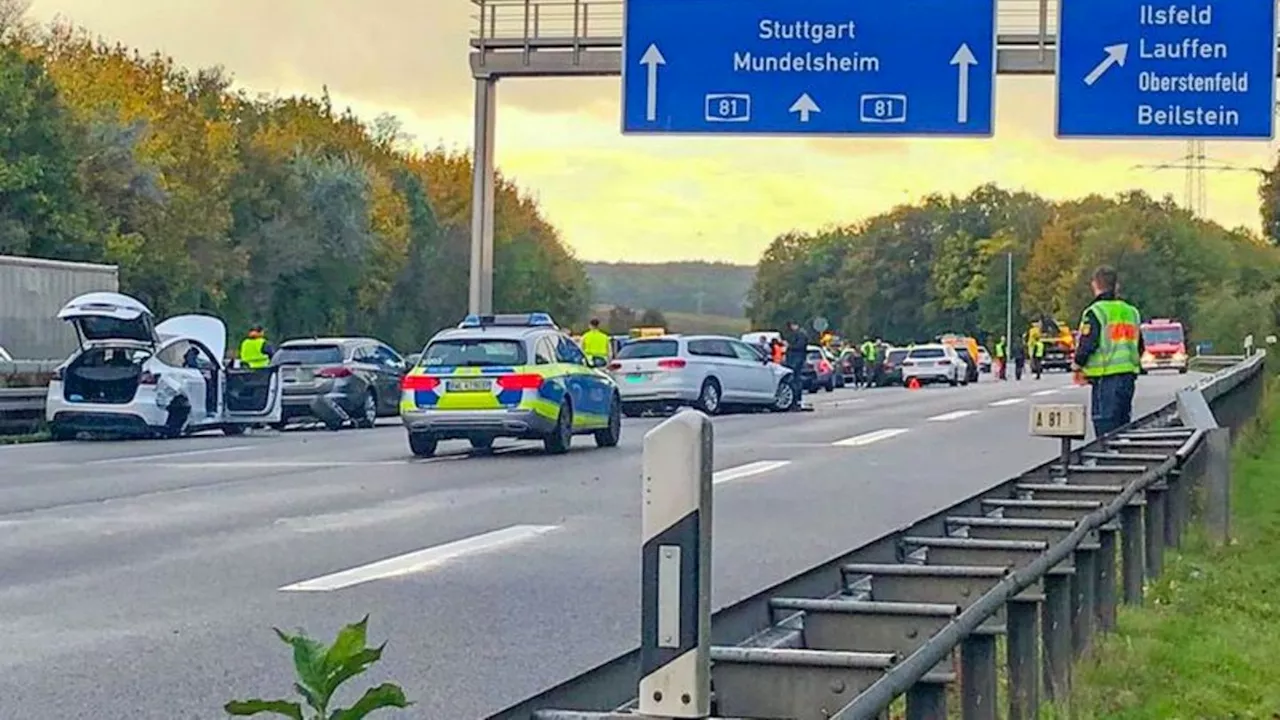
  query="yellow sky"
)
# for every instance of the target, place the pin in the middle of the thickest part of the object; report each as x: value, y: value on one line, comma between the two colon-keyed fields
x: 630, y: 198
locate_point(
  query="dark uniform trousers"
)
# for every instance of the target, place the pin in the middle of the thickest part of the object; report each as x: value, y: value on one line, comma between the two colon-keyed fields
x: 1111, y: 401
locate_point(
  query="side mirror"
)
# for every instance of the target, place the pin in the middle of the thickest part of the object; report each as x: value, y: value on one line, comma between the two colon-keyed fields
x: 598, y: 362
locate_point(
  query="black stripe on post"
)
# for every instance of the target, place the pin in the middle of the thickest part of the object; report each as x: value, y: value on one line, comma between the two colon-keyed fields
x: 655, y: 651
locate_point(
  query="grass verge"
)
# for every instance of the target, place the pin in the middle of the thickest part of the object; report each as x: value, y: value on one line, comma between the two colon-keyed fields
x: 1206, y: 642
x: 24, y: 438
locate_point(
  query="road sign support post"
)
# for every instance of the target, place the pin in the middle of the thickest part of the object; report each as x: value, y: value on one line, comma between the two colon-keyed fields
x: 675, y: 582
x: 817, y: 67
x: 480, y: 291
x: 1217, y: 486
x: 1136, y: 69
x: 1065, y: 422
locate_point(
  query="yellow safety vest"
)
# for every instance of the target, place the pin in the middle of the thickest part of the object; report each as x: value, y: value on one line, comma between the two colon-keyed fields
x: 251, y: 353
x: 595, y: 344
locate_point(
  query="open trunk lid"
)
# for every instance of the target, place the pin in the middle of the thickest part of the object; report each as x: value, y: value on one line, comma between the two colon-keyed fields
x: 108, y: 316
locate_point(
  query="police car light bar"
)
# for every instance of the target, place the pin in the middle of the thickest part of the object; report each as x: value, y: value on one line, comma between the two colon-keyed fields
x: 538, y: 319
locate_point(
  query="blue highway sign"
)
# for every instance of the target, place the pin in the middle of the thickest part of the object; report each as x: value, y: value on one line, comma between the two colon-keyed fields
x: 1133, y: 69
x: 809, y: 67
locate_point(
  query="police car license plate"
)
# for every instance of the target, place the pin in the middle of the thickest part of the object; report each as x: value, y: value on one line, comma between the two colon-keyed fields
x: 468, y: 385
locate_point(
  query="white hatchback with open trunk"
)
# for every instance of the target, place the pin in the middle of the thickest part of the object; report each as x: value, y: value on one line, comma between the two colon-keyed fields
x: 133, y: 377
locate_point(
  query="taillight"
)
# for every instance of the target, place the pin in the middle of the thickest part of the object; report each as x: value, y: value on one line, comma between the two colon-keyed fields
x: 672, y: 364
x: 825, y: 366
x: 615, y: 366
x: 148, y: 378
x: 334, y: 372
x: 523, y: 381
x: 944, y: 362
x: 414, y: 383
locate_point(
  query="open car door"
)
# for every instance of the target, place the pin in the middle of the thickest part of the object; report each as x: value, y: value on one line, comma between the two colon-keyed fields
x: 252, y: 397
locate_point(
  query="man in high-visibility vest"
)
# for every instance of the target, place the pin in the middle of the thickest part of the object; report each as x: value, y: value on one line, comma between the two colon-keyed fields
x: 1108, y: 354
x: 1037, y: 357
x: 1002, y: 358
x: 255, y: 353
x: 595, y: 344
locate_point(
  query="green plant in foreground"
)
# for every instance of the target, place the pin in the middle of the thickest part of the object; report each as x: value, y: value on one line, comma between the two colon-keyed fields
x: 320, y: 671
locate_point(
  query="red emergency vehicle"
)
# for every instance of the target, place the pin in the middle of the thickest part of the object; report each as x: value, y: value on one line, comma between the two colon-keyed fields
x: 1165, y: 346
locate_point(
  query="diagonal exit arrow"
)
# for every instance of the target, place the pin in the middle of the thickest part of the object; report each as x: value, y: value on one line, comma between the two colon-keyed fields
x: 1116, y: 55
x: 652, y: 58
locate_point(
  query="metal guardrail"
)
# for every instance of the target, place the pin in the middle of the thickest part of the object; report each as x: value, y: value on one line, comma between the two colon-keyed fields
x: 1032, y: 560
x: 22, y: 408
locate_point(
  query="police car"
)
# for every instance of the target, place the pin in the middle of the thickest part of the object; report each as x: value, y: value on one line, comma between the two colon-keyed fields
x: 511, y: 376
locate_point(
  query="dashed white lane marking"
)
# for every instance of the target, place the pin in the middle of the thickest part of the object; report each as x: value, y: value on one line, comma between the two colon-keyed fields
x: 165, y: 456
x: 745, y: 471
x: 1042, y: 393
x: 420, y: 560
x: 955, y: 415
x: 1005, y: 403
x: 868, y: 438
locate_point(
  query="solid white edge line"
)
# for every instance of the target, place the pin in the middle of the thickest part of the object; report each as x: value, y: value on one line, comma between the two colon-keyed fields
x: 164, y: 456
x: 953, y: 415
x: 1006, y: 403
x: 745, y: 471
x: 1043, y: 393
x: 871, y: 437
x: 419, y: 560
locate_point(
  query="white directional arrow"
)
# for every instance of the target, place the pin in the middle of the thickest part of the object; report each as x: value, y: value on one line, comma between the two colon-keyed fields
x: 1115, y: 56
x: 963, y: 60
x: 805, y: 105
x: 652, y: 58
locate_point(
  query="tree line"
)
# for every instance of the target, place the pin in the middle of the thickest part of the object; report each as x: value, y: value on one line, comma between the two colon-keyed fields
x: 939, y: 266
x: 283, y: 211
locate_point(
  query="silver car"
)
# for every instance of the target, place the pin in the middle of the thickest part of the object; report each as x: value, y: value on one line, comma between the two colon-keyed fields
x: 933, y: 364
x: 708, y: 372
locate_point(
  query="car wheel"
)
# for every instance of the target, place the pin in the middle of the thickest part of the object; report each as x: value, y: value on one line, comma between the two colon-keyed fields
x: 830, y: 386
x: 611, y: 435
x: 233, y: 430
x: 561, y: 437
x: 1182, y: 371
x: 481, y: 443
x: 784, y: 397
x: 709, y: 397
x: 422, y: 444
x: 369, y: 411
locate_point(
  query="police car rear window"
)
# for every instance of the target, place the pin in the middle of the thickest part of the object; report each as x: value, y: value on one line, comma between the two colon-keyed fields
x: 640, y: 349
x: 474, y: 352
x: 308, y: 355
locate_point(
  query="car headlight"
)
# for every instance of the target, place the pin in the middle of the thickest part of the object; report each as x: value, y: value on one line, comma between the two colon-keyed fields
x: 1148, y: 357
x: 1179, y: 356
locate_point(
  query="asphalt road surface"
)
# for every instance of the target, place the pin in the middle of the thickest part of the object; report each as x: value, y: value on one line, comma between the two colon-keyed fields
x: 140, y: 580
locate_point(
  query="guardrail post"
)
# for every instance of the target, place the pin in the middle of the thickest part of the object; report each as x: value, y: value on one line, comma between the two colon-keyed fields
x: 927, y: 701
x: 1107, y: 578
x: 978, y: 677
x: 1217, y: 486
x: 1175, y: 510
x: 1131, y: 561
x: 1055, y: 628
x: 1157, y: 496
x: 1023, y: 648
x: 1083, y: 602
x: 675, y: 581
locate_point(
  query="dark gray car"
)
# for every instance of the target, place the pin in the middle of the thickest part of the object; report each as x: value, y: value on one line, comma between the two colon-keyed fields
x: 359, y: 376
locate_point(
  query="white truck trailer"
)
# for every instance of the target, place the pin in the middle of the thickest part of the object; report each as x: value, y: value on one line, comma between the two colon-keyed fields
x: 32, y: 290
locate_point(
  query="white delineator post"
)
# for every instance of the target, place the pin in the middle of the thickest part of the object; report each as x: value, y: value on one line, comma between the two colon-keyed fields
x: 675, y: 581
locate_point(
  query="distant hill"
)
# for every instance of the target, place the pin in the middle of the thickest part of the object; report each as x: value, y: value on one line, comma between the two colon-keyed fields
x: 699, y: 288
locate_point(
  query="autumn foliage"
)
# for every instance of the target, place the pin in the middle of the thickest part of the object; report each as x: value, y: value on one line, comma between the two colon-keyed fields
x: 940, y: 266
x: 283, y: 211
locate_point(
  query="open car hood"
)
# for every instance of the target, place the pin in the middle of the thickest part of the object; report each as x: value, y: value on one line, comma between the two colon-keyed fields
x: 109, y: 316
x: 204, y: 329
